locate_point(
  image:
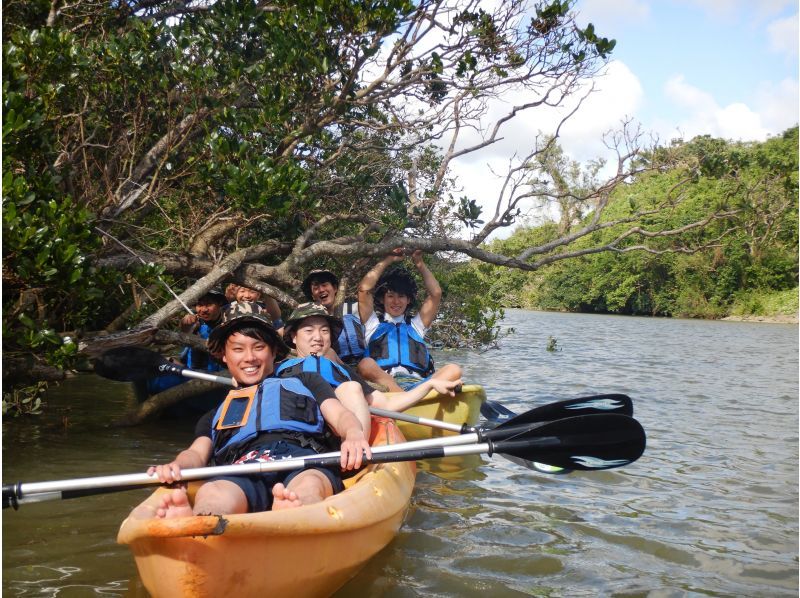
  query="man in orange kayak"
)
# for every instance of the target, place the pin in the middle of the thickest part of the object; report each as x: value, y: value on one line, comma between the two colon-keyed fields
x: 322, y: 287
x: 312, y: 332
x: 265, y: 419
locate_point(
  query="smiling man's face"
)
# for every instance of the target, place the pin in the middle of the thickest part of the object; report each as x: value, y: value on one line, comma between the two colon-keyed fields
x: 313, y: 335
x: 249, y: 360
x: 324, y: 294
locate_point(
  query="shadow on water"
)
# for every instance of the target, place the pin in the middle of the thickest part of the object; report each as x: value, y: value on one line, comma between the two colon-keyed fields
x: 711, y: 508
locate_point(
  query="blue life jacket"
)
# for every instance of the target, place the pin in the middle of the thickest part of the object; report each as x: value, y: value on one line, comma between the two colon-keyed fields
x: 199, y: 359
x: 395, y: 345
x: 351, y: 339
x: 333, y: 373
x: 280, y: 405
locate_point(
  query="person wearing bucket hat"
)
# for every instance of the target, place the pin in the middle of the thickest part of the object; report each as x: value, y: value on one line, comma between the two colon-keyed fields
x: 265, y: 419
x: 321, y: 287
x: 395, y: 339
x: 311, y: 310
x: 311, y: 331
x: 240, y: 313
x: 248, y: 295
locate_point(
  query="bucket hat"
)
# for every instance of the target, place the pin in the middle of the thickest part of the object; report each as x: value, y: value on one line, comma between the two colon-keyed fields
x: 308, y: 310
x: 238, y: 313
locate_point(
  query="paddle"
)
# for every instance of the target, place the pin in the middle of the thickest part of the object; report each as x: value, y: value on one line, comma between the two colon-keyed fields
x: 608, y: 403
x: 589, y: 442
x: 128, y: 364
x: 496, y: 413
x: 133, y: 363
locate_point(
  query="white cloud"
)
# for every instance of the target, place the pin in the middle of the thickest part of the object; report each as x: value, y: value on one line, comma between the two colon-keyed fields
x: 783, y: 36
x: 704, y: 116
x: 778, y: 104
x: 618, y: 95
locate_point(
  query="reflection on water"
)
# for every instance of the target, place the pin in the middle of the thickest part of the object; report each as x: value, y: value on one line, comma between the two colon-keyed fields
x: 711, y: 508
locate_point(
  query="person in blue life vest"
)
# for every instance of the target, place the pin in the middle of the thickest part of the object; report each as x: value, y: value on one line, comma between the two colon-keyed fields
x: 311, y: 331
x: 272, y: 418
x: 395, y: 339
x: 207, y: 314
x: 247, y: 295
x: 321, y: 287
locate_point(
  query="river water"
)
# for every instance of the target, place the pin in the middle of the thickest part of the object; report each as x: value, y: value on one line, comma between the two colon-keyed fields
x: 711, y: 509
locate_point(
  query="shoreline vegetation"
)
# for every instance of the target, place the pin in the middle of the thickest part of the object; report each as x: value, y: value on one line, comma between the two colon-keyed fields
x: 742, y: 269
x: 776, y: 319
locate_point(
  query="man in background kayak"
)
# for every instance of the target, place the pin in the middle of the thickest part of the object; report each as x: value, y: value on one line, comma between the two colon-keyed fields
x: 322, y: 287
x: 207, y: 314
x: 310, y: 330
x: 265, y: 419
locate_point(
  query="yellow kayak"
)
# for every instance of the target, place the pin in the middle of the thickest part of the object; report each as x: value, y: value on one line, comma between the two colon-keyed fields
x: 309, y: 551
x: 464, y: 408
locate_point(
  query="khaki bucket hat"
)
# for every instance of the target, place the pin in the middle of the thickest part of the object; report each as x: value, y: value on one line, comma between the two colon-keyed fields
x: 308, y: 310
x: 238, y: 313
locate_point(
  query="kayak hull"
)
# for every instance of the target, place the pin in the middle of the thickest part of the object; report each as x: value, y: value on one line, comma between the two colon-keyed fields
x: 465, y: 407
x: 309, y: 551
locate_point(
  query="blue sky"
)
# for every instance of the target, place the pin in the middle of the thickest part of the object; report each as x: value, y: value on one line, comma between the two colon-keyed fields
x: 695, y: 60
x: 725, y: 68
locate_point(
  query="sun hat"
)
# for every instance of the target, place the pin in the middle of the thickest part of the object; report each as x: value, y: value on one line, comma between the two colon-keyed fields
x: 308, y: 310
x: 238, y: 313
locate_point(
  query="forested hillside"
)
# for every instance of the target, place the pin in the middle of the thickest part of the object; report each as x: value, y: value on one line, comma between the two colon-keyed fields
x: 747, y: 265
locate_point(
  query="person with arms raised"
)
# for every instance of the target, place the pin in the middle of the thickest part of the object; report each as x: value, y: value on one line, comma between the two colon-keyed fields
x: 396, y: 339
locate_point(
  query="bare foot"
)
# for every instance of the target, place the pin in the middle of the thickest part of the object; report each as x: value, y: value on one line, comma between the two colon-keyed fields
x: 175, y: 504
x: 283, y: 498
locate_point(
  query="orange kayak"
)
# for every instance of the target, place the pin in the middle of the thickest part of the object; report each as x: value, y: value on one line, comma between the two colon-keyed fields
x: 465, y: 407
x: 309, y: 551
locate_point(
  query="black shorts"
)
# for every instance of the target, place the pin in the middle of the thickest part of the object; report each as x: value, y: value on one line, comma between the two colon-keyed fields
x: 258, y: 487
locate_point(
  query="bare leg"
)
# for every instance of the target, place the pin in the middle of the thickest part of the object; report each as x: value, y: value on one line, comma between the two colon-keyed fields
x: 351, y: 395
x: 307, y: 488
x: 449, y: 371
x: 369, y: 368
x: 220, y: 497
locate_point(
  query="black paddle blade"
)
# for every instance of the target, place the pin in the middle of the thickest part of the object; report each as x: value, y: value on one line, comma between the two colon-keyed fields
x: 586, y: 442
x: 494, y: 412
x: 127, y: 364
x: 597, y: 404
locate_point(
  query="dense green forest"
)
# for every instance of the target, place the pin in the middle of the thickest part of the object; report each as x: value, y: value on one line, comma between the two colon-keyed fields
x: 745, y: 265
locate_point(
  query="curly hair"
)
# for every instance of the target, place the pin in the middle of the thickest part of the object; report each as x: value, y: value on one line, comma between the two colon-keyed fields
x: 398, y: 280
